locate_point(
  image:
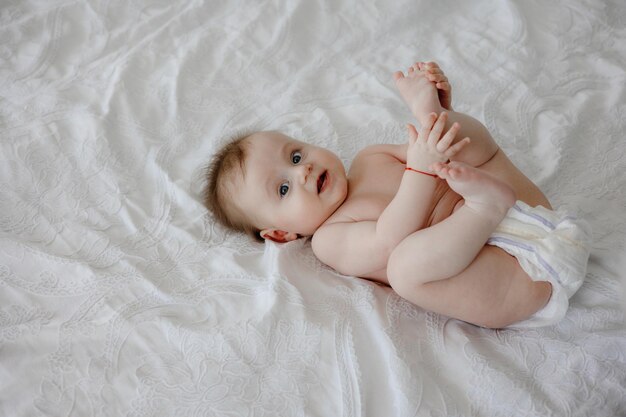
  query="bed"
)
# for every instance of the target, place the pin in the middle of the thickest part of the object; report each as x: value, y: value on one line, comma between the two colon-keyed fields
x: 121, y: 296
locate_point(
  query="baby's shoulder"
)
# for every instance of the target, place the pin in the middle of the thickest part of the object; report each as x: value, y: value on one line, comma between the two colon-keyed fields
x: 375, y: 157
x: 387, y: 149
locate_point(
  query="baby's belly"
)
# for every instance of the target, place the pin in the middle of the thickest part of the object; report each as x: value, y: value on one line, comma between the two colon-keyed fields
x: 446, y: 205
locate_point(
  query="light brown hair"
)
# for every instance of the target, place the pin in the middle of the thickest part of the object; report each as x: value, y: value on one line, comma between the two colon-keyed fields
x: 218, y: 194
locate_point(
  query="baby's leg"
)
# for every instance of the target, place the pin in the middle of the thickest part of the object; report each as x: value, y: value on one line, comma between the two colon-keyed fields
x: 421, y: 96
x: 493, y: 291
x: 419, y: 93
x: 448, y: 247
x: 483, y: 152
x: 448, y: 269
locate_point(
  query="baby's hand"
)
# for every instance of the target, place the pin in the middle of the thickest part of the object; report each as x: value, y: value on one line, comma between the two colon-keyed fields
x: 435, y: 75
x: 432, y: 144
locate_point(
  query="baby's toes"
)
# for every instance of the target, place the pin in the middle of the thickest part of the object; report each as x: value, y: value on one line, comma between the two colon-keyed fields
x: 454, y: 174
x: 437, y: 78
x: 460, y: 169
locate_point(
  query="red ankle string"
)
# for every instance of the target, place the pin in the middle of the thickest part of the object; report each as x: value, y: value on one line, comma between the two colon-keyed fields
x: 421, y: 172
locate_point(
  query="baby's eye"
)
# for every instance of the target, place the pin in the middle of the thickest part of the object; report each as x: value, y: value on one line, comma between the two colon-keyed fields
x: 296, y: 157
x: 283, y: 190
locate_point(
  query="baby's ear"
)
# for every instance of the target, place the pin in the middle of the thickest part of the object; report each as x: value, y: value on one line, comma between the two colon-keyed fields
x: 278, y: 236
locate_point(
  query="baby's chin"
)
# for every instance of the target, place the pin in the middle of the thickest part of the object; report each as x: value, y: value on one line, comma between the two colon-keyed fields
x: 310, y: 222
x: 311, y: 227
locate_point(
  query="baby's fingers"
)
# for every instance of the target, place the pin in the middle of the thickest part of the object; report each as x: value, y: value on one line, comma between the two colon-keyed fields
x: 456, y: 148
x: 445, y: 86
x: 430, y: 64
x: 437, y: 78
x: 437, y: 129
x: 427, y: 126
x: 446, y: 140
x: 434, y: 71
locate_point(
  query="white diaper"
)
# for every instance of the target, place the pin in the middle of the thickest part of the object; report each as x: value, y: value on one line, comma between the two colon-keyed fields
x: 550, y: 246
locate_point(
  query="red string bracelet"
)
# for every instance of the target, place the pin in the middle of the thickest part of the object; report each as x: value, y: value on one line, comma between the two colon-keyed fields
x: 421, y: 172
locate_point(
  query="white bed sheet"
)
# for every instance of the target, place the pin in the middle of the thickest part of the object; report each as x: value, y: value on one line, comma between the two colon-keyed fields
x: 119, y: 296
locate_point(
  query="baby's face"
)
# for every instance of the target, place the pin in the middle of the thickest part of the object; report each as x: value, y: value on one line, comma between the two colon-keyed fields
x: 289, y: 185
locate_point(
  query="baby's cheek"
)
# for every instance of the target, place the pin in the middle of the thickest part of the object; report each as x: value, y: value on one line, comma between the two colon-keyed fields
x: 310, y: 215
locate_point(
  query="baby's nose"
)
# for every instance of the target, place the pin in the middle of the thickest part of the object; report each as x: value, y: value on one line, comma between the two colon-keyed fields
x: 305, y: 170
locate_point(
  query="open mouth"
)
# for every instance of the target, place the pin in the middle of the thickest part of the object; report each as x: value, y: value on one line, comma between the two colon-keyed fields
x: 321, y: 182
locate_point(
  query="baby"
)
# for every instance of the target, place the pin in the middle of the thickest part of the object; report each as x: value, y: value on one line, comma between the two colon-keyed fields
x: 448, y: 222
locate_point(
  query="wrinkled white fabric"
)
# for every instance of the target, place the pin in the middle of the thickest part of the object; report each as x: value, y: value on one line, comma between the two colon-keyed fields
x: 550, y: 245
x: 120, y: 296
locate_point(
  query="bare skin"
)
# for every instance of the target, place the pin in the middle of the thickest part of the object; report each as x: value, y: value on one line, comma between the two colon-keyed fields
x: 486, y: 202
x: 422, y: 231
x: 491, y: 290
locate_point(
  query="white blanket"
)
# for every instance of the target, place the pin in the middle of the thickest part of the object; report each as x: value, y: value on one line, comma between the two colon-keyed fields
x: 119, y: 295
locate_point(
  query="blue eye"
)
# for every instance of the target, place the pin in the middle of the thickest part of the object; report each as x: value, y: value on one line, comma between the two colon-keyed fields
x: 296, y: 157
x: 283, y: 190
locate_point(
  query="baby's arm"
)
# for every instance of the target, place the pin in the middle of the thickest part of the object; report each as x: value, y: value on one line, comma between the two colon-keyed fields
x: 425, y: 89
x: 360, y: 248
x: 408, y: 210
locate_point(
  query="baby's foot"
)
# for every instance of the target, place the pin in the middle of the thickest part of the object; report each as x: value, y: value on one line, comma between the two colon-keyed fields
x: 483, y: 193
x: 418, y: 93
x: 436, y: 76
